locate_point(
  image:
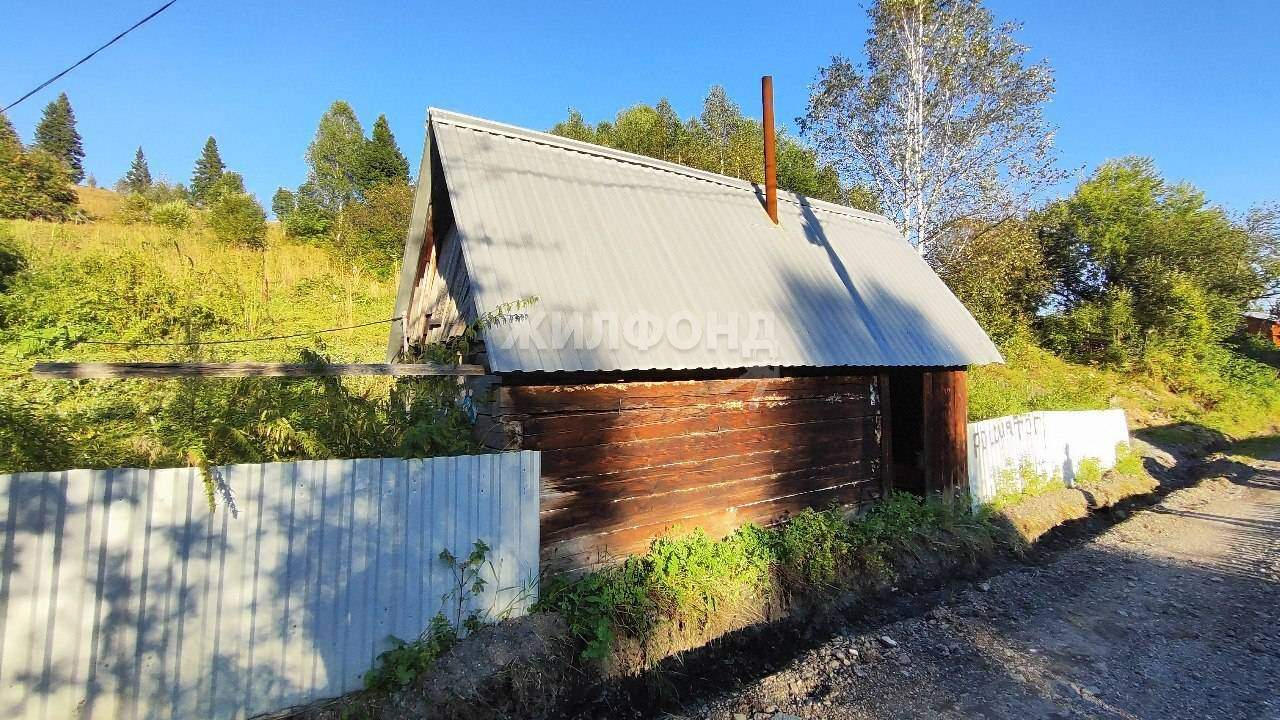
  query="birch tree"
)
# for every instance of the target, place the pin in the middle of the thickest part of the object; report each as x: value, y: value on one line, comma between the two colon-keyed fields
x: 944, y: 119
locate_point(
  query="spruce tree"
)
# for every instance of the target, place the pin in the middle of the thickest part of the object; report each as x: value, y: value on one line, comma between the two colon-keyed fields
x: 56, y: 134
x: 138, y: 179
x: 383, y: 161
x: 209, y: 169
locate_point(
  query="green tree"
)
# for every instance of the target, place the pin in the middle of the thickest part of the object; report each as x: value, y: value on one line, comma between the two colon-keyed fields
x: 283, y: 203
x: 375, y: 228
x: 33, y: 183
x: 383, y: 161
x: 138, y: 179
x: 208, y: 170
x: 721, y: 140
x: 335, y: 158
x: 575, y: 128
x: 998, y: 271
x: 1128, y: 243
x: 236, y: 218
x: 945, y: 119
x: 307, y: 220
x: 56, y: 134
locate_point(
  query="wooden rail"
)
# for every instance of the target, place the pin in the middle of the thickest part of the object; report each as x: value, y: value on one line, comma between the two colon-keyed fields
x: 121, y: 370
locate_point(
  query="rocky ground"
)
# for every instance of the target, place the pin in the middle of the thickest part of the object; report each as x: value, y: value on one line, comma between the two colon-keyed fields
x: 1173, y: 612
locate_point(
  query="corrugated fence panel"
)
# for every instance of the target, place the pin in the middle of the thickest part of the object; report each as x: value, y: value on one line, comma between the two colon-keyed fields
x: 1054, y: 442
x: 121, y: 596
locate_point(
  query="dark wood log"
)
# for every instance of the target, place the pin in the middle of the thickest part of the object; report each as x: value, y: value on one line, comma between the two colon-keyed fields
x: 756, y: 392
x: 549, y: 432
x: 659, y: 451
x: 121, y: 370
x: 687, y: 473
x: 587, y: 514
x: 885, y: 434
x: 585, y: 551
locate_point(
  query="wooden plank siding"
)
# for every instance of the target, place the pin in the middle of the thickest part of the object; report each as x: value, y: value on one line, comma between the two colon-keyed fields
x: 622, y: 463
x: 946, y: 456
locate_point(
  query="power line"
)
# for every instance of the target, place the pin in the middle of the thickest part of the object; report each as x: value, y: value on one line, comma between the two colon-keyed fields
x: 82, y: 60
x: 191, y: 343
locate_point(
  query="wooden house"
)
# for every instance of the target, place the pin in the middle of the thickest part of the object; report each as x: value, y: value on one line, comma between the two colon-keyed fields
x: 688, y: 361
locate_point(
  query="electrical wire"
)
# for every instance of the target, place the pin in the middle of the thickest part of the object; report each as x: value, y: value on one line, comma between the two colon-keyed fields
x: 82, y: 60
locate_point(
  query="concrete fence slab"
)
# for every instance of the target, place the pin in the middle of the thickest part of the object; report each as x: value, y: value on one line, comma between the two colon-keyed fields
x: 1053, y: 442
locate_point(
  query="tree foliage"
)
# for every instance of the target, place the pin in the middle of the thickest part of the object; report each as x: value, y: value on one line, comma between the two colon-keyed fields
x: 1137, y: 263
x: 56, y: 134
x: 375, y: 228
x: 235, y: 217
x: 383, y: 162
x: 999, y: 273
x: 721, y: 140
x: 335, y: 158
x: 208, y: 170
x: 138, y: 179
x: 34, y: 184
x: 944, y: 119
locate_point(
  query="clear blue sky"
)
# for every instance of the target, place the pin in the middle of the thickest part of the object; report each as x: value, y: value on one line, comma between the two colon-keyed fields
x: 1194, y: 85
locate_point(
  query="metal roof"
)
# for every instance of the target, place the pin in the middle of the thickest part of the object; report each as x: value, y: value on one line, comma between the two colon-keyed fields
x: 640, y: 264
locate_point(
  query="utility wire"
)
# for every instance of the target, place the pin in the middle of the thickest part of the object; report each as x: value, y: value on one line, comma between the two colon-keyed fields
x: 223, y: 342
x: 82, y: 60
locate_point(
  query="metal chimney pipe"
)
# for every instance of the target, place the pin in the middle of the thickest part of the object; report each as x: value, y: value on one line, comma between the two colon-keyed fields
x: 770, y: 151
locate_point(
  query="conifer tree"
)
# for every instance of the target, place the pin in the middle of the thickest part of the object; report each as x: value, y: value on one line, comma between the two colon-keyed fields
x: 209, y: 169
x: 383, y: 161
x: 138, y: 179
x: 56, y: 134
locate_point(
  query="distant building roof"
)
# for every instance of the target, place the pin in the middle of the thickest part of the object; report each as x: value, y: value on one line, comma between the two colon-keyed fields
x: 1258, y: 315
x: 601, y: 236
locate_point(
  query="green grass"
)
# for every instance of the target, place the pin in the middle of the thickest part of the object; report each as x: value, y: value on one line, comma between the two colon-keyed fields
x: 692, y: 580
x: 1225, y: 390
x: 142, y: 283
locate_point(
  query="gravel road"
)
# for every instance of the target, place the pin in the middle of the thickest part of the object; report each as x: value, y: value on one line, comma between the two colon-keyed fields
x: 1173, y: 612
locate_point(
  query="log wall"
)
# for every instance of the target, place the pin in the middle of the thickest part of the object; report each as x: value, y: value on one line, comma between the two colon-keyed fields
x: 622, y: 463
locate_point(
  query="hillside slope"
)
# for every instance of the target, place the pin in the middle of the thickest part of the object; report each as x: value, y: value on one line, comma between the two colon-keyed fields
x: 101, y: 282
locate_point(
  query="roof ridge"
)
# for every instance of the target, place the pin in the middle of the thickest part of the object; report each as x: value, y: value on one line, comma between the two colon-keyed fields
x: 515, y: 132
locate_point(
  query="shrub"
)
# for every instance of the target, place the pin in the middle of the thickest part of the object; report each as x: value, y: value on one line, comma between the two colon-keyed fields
x: 997, y: 271
x: 1088, y: 472
x: 374, y: 228
x: 175, y: 215
x: 237, y: 219
x: 405, y: 661
x: 12, y: 258
x: 34, y: 185
x: 135, y: 209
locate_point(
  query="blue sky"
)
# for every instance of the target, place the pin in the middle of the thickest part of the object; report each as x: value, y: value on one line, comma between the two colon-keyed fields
x: 1192, y: 84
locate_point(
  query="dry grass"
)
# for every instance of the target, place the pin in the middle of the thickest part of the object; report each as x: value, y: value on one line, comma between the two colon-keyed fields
x: 1035, y: 516
x: 290, y: 287
x: 98, y: 203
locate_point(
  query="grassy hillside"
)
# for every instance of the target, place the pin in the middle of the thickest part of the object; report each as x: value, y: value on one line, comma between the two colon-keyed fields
x: 104, y: 282
x: 139, y: 283
x: 97, y: 203
x: 1235, y: 392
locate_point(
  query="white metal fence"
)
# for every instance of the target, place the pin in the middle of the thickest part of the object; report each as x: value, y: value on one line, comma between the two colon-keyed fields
x: 121, y: 596
x: 1053, y: 442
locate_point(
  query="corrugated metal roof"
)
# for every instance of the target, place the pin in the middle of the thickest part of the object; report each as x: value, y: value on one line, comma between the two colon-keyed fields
x: 615, y: 245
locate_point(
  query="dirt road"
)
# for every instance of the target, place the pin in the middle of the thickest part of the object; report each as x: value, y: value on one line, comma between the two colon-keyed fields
x: 1172, y: 613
